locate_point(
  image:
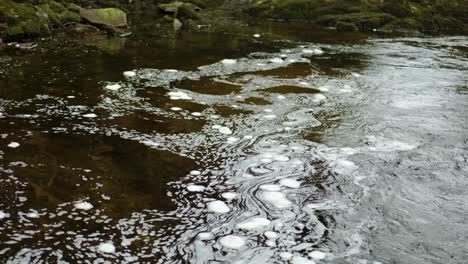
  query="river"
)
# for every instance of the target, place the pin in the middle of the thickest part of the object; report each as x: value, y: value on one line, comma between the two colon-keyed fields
x: 291, y: 146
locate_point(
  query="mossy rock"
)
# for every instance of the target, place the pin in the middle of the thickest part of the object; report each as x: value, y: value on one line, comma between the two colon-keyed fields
x: 23, y: 20
x: 108, y: 17
x: 364, y: 21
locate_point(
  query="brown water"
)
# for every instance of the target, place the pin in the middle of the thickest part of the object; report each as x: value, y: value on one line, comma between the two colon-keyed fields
x: 318, y: 147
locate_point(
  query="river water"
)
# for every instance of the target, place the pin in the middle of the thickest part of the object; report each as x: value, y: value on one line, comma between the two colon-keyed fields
x: 297, y: 146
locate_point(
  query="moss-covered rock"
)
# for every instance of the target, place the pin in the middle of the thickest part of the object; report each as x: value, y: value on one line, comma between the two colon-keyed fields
x: 109, y: 17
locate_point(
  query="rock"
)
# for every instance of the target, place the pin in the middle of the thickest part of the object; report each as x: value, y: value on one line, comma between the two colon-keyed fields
x: 346, y: 27
x: 177, y: 24
x: 105, y: 17
x: 181, y: 10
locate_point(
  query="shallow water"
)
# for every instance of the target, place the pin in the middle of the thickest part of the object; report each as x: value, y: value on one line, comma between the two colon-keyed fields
x: 303, y: 146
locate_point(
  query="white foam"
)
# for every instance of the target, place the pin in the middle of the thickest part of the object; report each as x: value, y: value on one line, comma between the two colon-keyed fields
x: 70, y: 96
x: 270, y: 234
x: 281, y: 97
x: 232, y: 242
x: 277, y: 199
x: 113, y: 87
x: 3, y: 215
x: 319, y: 97
x: 281, y: 158
x: 256, y: 35
x: 176, y: 109
x: 301, y: 260
x: 179, y: 96
x: 357, y: 75
x: 254, y: 223
x: 248, y: 137
x: 216, y: 126
x: 232, y: 140
x: 270, y: 187
x: 225, y: 130
x: 108, y: 248
x: 276, y: 60
x: 129, y: 74
x: 219, y: 207
x: 290, y: 183
x: 344, y: 166
x: 196, y: 114
x: 150, y: 143
x: 266, y: 160
x: 13, y: 145
x: 83, y: 206
x: 171, y: 70
x: 90, y: 115
x: 228, y: 61
x: 268, y: 110
x: 195, y: 188
x: 317, y: 255
x: 195, y: 172
x: 269, y: 116
x: 229, y: 195
x: 32, y: 215
x: 286, y: 255
x: 204, y: 236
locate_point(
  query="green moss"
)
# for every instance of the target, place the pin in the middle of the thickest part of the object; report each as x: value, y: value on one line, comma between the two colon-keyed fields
x: 364, y: 21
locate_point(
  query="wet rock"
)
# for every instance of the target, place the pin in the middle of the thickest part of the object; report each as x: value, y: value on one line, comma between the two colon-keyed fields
x: 177, y: 24
x: 346, y: 27
x: 105, y: 17
x: 181, y: 10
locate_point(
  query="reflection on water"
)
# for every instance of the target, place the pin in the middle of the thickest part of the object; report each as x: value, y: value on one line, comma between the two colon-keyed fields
x: 296, y: 147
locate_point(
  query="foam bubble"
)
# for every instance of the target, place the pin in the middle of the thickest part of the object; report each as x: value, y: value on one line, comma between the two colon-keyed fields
x: 319, y: 97
x: 281, y: 158
x: 269, y: 116
x: 32, y: 215
x: 270, y: 234
x: 196, y: 114
x: 318, y: 255
x: 232, y: 140
x: 176, y: 109
x: 204, y: 236
x: 3, y: 215
x: 129, y: 74
x: 195, y: 188
x: 228, y: 61
x: 290, y: 183
x: 90, y: 115
x: 281, y: 97
x: 113, y: 87
x: 267, y: 110
x: 277, y: 60
x: 256, y: 35
x: 286, y: 255
x: 107, y: 248
x: 229, y: 195
x: 14, y: 145
x: 270, y: 187
x: 301, y: 260
x: 248, y: 137
x: 179, y: 96
x: 232, y: 242
x: 171, y: 70
x: 254, y: 223
x: 219, y: 207
x: 83, y: 206
x: 195, y: 172
x: 277, y: 199
x: 216, y: 126
x: 225, y: 130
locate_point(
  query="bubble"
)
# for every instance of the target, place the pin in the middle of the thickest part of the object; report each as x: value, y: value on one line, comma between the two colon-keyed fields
x: 129, y: 74
x: 254, y: 223
x: 232, y: 242
x: 290, y: 183
x: 107, y: 248
x: 90, y: 115
x: 14, y: 145
x: 83, y: 206
x: 228, y: 61
x: 219, y: 207
x: 195, y: 188
x: 229, y: 195
x: 318, y: 255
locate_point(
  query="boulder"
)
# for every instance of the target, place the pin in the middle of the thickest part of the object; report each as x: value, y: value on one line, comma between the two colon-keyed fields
x: 105, y: 17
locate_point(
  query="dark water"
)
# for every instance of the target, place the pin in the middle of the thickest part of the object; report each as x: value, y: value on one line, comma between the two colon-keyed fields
x: 310, y: 147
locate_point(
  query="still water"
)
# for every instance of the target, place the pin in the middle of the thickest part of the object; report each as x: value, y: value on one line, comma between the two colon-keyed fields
x: 299, y: 146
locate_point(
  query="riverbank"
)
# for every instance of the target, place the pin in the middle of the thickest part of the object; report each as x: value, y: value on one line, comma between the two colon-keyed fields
x: 26, y: 20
